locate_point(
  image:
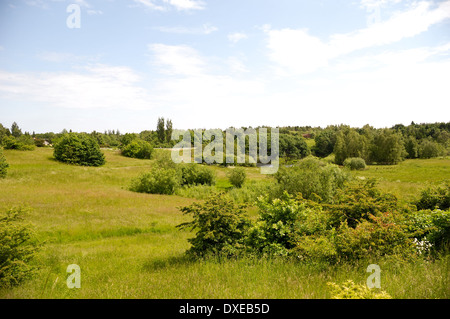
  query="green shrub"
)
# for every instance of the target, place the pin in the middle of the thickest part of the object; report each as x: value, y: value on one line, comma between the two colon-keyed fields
x: 157, y: 181
x: 350, y: 290
x: 357, y: 201
x: 429, y: 149
x: 3, y: 164
x: 431, y: 230
x: 138, y: 149
x: 237, y: 176
x: 22, y: 143
x: 313, y: 178
x: 17, y: 248
x: 78, y: 149
x: 195, y: 174
x: 378, y: 236
x: 281, y: 224
x: 221, y: 227
x: 316, y: 248
x: 355, y: 163
x: 434, y: 197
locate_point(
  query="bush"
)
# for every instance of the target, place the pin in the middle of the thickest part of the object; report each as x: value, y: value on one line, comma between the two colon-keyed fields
x: 78, y: 149
x: 195, y: 174
x: 237, y: 177
x: 22, y: 143
x: 138, y: 149
x: 357, y: 201
x: 17, y: 248
x: 312, y: 178
x: 431, y: 230
x: 434, y: 197
x: 355, y: 163
x: 378, y: 236
x: 350, y: 290
x: 282, y: 221
x: 157, y: 181
x: 429, y: 149
x: 220, y: 225
x: 3, y: 164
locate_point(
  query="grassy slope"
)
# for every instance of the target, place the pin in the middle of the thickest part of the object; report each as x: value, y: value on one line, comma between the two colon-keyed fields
x: 128, y: 247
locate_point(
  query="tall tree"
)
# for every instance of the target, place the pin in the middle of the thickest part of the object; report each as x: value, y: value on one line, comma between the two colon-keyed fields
x: 349, y: 144
x: 169, y: 130
x: 15, y: 130
x: 387, y: 147
x: 160, y: 130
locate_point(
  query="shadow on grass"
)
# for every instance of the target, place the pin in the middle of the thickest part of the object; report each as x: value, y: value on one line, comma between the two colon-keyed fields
x: 169, y: 262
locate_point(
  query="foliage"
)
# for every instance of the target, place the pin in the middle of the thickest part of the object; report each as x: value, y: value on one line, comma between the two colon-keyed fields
x: 324, y: 143
x: 280, y: 222
x: 138, y: 149
x: 429, y: 149
x: 237, y: 176
x: 313, y: 178
x: 18, y: 247
x: 387, y: 148
x: 160, y: 130
x: 378, y: 236
x: 431, y: 229
x: 349, y: 144
x: 355, y: 163
x: 293, y: 147
x: 3, y: 164
x: 78, y: 149
x: 435, y: 197
x: 411, y: 147
x: 350, y: 290
x: 21, y: 143
x: 220, y: 226
x: 157, y: 181
x: 357, y: 201
x: 196, y: 174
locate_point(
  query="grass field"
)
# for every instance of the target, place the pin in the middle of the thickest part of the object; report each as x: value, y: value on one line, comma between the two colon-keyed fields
x: 127, y: 244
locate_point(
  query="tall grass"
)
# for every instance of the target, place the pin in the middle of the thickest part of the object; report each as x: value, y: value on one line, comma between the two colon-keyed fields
x: 127, y: 245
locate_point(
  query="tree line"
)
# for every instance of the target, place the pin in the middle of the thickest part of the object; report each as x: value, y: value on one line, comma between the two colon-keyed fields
x: 339, y: 143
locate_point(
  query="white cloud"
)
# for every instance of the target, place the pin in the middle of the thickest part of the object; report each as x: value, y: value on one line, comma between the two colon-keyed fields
x: 177, y: 60
x: 236, y: 37
x: 296, y: 51
x: 186, y: 4
x: 165, y: 5
x: 97, y: 86
x: 204, y: 29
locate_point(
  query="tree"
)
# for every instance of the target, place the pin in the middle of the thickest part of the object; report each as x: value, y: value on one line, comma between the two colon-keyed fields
x: 293, y: 147
x: 387, y: 148
x: 3, y: 164
x: 79, y: 149
x: 411, y: 147
x: 15, y: 130
x: 325, y: 142
x: 138, y: 149
x: 160, y: 130
x: 4, y: 132
x: 169, y: 130
x: 349, y: 144
x: 428, y: 149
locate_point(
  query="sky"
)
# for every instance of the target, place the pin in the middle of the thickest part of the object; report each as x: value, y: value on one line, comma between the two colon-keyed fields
x: 90, y: 65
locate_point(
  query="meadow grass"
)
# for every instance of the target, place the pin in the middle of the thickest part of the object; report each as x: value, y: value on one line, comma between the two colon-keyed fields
x: 128, y: 246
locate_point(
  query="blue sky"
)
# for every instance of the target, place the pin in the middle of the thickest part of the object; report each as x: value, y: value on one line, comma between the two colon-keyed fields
x: 216, y: 64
